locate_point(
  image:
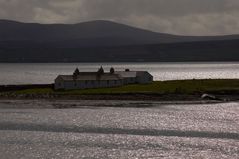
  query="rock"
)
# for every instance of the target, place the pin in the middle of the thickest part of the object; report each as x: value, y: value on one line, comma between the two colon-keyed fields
x: 209, y: 97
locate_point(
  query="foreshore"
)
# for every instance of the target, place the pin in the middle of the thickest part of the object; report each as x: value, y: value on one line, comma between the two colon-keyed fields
x: 172, y: 98
x: 94, y: 104
x: 138, y: 97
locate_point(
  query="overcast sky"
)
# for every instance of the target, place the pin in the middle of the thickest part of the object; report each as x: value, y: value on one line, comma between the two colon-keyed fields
x: 188, y: 17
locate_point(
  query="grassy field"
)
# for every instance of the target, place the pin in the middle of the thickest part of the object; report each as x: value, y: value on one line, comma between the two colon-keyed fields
x: 157, y: 87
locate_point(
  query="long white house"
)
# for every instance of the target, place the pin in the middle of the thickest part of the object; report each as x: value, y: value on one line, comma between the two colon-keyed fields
x: 100, y: 79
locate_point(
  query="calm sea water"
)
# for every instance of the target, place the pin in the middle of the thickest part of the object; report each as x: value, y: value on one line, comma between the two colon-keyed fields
x: 44, y: 73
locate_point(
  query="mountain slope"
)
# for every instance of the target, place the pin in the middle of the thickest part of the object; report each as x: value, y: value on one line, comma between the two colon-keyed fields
x: 95, y: 33
x: 99, y: 41
x: 87, y: 34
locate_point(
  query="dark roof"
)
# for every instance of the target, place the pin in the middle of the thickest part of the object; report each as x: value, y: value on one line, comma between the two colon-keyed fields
x: 91, y: 76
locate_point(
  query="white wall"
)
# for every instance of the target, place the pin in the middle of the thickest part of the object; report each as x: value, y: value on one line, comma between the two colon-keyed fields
x: 144, y: 78
x: 59, y: 83
x: 86, y: 84
x: 129, y: 80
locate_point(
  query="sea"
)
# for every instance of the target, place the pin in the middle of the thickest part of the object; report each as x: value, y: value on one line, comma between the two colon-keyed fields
x: 177, y: 131
x: 45, y: 73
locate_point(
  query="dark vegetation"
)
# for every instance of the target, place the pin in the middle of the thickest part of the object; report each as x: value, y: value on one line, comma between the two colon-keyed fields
x: 7, y: 88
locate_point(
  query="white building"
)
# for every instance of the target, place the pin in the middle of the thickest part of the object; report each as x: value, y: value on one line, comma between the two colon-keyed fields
x: 84, y: 80
x: 135, y: 77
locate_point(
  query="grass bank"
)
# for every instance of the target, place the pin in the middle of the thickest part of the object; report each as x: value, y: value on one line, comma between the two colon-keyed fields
x: 218, y: 86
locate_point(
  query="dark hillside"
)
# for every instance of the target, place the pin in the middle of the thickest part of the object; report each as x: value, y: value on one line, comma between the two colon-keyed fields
x: 107, y: 41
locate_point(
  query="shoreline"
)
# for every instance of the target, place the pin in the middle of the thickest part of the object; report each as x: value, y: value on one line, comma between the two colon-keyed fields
x: 92, y: 104
x: 125, y: 97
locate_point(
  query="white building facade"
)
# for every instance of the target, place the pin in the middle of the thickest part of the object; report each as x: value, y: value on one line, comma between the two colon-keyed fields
x: 86, y: 80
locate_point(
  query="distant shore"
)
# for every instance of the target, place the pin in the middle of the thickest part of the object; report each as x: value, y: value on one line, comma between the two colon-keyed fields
x: 178, y: 90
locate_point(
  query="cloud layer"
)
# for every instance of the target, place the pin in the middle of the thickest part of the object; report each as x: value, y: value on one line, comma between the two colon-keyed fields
x: 187, y: 17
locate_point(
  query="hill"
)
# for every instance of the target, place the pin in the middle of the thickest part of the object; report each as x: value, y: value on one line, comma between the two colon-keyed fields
x: 107, y: 41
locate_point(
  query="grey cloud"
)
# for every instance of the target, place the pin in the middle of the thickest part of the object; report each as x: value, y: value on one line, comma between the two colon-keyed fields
x: 189, y: 17
x: 155, y: 7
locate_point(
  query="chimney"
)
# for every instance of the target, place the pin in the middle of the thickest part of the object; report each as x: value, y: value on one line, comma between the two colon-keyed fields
x: 112, y: 70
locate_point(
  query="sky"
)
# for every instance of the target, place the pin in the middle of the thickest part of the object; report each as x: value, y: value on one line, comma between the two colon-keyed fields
x: 183, y: 17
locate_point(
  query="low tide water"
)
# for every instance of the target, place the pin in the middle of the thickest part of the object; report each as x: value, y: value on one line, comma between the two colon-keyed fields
x: 45, y: 73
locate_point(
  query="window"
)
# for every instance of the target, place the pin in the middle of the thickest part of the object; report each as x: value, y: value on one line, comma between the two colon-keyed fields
x: 108, y: 82
x: 86, y: 82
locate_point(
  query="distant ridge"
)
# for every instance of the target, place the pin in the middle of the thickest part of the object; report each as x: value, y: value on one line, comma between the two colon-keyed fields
x: 95, y: 31
x: 90, y: 41
x: 90, y: 34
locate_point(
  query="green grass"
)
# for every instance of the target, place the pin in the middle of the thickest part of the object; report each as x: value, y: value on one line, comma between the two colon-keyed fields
x: 158, y: 87
x: 35, y: 91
